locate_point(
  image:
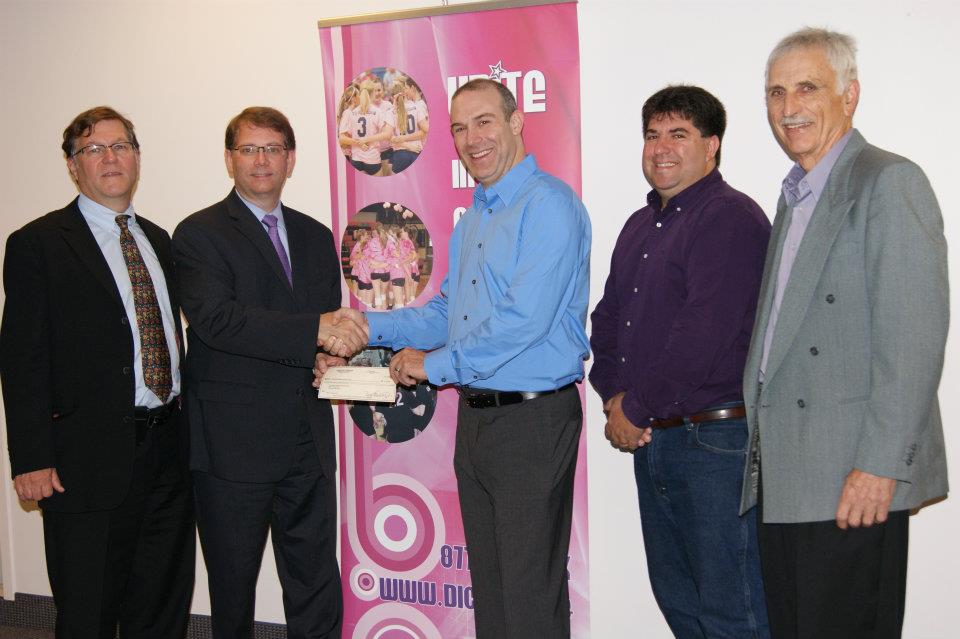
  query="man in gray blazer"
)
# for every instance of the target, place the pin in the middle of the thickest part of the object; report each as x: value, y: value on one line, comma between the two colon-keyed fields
x: 841, y: 379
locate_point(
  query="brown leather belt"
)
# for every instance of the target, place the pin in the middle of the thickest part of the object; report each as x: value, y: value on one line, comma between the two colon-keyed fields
x: 719, y: 415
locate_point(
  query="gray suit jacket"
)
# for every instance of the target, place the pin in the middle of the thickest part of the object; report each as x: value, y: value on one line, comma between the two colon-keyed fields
x: 855, y: 362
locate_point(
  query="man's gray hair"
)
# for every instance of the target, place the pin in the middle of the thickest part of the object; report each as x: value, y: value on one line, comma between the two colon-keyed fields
x: 841, y: 50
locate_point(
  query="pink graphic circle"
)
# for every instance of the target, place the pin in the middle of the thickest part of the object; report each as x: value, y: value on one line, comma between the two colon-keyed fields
x: 363, y: 583
x: 395, y: 621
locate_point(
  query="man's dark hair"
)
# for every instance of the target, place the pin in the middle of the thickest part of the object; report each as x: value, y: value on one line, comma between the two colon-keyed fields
x: 263, y: 117
x: 83, y: 124
x: 690, y: 103
x: 507, y: 99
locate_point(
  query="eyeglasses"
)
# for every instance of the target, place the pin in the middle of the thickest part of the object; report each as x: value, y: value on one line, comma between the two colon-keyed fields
x: 249, y: 150
x: 100, y: 150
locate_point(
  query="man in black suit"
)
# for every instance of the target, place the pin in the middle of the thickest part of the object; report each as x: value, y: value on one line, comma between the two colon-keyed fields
x: 89, y: 358
x: 260, y: 287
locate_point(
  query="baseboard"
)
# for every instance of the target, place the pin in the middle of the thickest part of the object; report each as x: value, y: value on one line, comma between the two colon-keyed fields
x: 38, y: 612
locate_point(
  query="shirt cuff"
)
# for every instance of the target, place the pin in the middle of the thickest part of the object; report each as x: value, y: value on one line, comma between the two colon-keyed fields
x: 439, y: 367
x: 382, y: 329
x: 634, y: 410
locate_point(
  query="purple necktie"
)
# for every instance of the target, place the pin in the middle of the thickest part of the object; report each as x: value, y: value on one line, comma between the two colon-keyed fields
x: 271, y: 222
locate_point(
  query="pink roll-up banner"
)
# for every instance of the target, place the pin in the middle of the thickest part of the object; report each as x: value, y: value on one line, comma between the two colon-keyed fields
x: 397, y: 188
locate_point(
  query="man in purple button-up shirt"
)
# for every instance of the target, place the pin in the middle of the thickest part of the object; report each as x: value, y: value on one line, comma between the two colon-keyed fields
x: 670, y: 337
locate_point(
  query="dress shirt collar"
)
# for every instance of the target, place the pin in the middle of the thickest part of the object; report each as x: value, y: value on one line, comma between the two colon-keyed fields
x: 261, y: 213
x: 687, y: 197
x: 96, y: 213
x: 799, y: 183
x: 506, y: 187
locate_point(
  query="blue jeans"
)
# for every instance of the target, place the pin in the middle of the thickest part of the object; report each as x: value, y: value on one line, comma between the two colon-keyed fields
x: 702, y: 557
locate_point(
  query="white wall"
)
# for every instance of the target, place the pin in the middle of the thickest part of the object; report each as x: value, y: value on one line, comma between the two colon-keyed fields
x: 180, y: 69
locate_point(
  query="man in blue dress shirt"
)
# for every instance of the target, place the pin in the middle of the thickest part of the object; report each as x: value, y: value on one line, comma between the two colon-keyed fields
x: 670, y: 337
x: 508, y: 330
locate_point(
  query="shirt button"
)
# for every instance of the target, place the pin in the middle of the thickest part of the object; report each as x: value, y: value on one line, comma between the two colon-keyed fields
x: 379, y: 338
x: 644, y: 256
x: 634, y: 289
x: 479, y: 244
x: 464, y: 317
x: 659, y: 224
x: 473, y: 281
x: 678, y: 209
x: 623, y: 359
x: 830, y: 298
x: 628, y: 322
x: 814, y: 351
x: 801, y: 403
x: 489, y: 210
x: 443, y: 379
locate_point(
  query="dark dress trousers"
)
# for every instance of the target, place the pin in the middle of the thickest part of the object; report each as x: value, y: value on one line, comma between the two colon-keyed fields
x: 119, y: 541
x: 262, y: 444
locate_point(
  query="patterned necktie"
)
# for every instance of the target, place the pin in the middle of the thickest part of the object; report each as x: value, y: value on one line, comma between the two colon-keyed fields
x: 270, y: 221
x: 154, y: 353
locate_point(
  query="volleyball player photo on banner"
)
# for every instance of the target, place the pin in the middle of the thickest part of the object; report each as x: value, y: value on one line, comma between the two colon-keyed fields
x: 386, y: 256
x: 382, y: 121
x: 400, y: 420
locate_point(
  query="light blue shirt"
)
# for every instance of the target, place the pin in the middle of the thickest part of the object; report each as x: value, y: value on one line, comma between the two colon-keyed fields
x: 276, y: 212
x: 801, y: 192
x: 511, y: 312
x: 103, y: 225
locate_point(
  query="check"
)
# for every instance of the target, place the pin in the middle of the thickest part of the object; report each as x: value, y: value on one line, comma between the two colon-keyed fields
x: 358, y: 383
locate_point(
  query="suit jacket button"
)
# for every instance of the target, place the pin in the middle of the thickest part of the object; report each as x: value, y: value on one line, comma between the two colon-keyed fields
x: 801, y: 403
x: 830, y: 298
x: 814, y: 351
x: 124, y: 321
x: 299, y: 392
x: 127, y: 419
x: 126, y: 370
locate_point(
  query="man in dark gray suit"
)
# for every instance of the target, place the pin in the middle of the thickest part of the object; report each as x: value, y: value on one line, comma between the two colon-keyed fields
x: 841, y: 380
x: 260, y: 284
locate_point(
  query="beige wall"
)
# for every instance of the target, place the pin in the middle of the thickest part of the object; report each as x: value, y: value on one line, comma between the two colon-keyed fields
x: 180, y: 69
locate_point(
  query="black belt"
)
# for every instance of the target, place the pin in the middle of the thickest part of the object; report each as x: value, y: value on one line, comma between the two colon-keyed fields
x: 718, y: 415
x: 146, y: 419
x: 481, y: 398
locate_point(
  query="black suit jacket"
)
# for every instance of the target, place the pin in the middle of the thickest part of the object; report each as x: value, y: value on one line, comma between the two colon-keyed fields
x: 66, y: 359
x: 252, y: 339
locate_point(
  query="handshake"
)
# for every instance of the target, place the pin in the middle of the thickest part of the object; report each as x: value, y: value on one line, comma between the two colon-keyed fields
x: 343, y: 332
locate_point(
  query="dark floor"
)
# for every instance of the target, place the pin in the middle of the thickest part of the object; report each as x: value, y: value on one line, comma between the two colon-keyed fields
x: 8, y: 632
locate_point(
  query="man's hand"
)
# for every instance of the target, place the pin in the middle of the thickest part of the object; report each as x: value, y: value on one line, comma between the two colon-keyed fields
x: 619, y: 430
x: 342, y: 332
x: 406, y: 367
x: 322, y: 363
x: 37, y: 484
x: 865, y: 499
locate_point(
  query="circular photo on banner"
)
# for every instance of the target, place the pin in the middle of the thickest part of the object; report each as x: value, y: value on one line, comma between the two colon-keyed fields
x: 382, y: 121
x: 386, y: 256
x: 400, y: 421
